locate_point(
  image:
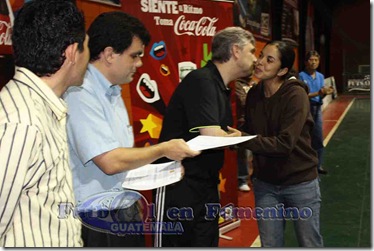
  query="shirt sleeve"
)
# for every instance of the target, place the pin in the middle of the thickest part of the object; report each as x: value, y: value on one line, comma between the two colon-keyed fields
x: 301, y: 76
x: 19, y: 151
x: 89, y: 131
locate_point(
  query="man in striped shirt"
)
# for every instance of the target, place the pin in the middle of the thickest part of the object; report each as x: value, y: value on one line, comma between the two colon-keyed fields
x: 51, y: 53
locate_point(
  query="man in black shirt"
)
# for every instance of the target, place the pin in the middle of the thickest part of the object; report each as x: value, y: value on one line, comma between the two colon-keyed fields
x: 201, y: 105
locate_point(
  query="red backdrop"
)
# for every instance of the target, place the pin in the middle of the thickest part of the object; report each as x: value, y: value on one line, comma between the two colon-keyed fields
x: 181, y: 32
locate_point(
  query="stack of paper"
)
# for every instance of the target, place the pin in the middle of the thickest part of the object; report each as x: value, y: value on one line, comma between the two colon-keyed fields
x: 152, y: 176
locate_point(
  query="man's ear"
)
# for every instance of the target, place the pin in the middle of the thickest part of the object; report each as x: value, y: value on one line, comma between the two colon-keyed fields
x: 107, y: 54
x: 71, y: 53
x: 235, y: 50
x: 282, y: 72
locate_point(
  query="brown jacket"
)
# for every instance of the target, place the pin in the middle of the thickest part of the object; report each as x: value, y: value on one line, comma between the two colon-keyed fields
x: 282, y: 150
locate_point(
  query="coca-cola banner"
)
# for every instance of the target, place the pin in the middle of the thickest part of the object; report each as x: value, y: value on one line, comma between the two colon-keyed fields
x: 8, y: 9
x: 181, y: 37
x: 181, y: 33
x: 6, y: 24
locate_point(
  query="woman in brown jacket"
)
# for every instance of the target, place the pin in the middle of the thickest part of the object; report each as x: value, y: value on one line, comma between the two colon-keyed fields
x: 285, y: 165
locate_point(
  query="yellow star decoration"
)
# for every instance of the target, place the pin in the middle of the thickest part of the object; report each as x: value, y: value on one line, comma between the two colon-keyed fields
x: 152, y: 125
x: 221, y: 220
x: 222, y: 183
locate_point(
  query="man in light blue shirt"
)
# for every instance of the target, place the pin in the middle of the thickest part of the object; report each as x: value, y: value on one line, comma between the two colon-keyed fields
x: 99, y: 131
x: 98, y: 123
x: 317, y: 91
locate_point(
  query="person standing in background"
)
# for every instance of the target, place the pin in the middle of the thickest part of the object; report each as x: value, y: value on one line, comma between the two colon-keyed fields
x: 245, y: 170
x: 200, y: 105
x: 100, y: 135
x: 317, y: 91
x: 285, y: 164
x: 51, y: 53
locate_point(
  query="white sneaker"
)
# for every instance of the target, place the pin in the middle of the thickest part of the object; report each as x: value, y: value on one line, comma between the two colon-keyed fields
x: 244, y: 188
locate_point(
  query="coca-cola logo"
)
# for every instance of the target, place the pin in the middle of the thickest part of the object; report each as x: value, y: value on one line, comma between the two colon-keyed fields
x: 203, y: 27
x: 5, y: 33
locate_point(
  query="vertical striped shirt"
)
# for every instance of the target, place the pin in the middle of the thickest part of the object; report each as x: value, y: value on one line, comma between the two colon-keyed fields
x: 35, y: 177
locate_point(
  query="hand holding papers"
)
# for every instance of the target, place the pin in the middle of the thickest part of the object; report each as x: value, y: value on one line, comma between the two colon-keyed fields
x: 152, y: 176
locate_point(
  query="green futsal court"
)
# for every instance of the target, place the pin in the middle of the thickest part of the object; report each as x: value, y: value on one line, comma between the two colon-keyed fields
x: 346, y: 189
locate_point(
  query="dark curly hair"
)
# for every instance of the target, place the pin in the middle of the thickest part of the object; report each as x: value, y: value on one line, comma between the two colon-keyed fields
x: 115, y: 29
x: 42, y: 31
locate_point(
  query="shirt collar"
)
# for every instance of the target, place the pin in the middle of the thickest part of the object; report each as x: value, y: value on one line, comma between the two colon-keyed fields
x: 217, y: 76
x: 112, y: 92
x: 57, y: 105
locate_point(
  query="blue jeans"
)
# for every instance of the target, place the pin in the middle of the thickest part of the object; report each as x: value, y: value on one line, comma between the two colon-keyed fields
x: 304, y: 197
x: 317, y: 134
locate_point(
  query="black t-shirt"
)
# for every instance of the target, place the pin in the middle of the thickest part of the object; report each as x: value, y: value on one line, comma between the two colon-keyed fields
x: 200, y: 100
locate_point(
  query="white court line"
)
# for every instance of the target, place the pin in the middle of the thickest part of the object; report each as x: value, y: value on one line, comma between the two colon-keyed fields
x: 256, y: 243
x: 331, y: 133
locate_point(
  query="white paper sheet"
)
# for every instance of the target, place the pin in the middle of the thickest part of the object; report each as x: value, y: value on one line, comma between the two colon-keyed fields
x: 203, y: 142
x: 152, y: 176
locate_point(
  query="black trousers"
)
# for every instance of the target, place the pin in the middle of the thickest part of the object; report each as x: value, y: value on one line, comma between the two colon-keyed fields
x: 198, y: 231
x: 93, y: 238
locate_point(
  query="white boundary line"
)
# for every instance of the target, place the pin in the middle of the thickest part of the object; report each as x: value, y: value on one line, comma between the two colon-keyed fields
x: 331, y: 133
x: 256, y: 243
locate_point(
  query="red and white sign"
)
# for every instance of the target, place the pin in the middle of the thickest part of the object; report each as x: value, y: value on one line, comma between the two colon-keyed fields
x: 6, y: 24
x: 181, y: 33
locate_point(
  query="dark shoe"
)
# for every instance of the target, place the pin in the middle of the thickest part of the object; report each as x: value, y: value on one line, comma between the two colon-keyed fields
x: 322, y: 171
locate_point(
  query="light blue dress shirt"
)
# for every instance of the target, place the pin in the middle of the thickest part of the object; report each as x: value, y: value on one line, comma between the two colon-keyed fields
x: 97, y: 122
